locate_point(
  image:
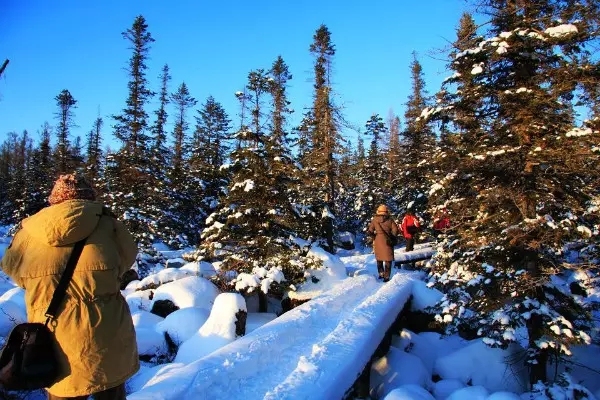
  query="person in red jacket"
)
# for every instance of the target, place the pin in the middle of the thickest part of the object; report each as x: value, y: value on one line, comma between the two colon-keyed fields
x: 441, y: 221
x: 410, y: 227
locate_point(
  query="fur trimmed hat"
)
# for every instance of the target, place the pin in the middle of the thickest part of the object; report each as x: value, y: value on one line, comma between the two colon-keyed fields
x: 71, y: 187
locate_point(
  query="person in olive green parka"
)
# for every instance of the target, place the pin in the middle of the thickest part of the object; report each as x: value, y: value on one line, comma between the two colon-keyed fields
x: 93, y: 328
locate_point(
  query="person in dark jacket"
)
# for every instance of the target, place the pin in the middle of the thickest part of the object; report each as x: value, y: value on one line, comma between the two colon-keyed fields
x: 93, y: 328
x: 383, y: 228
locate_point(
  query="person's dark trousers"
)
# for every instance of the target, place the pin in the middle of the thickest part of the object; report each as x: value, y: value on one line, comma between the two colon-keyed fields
x: 380, y: 269
x: 115, y: 393
x: 410, y: 244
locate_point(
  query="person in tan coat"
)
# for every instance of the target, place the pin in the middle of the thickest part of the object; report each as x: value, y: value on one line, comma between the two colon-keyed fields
x: 93, y: 327
x: 382, y: 227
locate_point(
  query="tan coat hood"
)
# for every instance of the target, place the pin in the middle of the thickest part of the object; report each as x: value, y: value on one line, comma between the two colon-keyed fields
x: 64, y: 223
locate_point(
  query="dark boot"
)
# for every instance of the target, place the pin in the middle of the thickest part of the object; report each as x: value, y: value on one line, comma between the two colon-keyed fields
x: 387, y: 270
x: 380, y: 269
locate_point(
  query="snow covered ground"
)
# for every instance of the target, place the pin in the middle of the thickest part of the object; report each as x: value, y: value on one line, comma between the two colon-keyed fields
x: 313, y: 351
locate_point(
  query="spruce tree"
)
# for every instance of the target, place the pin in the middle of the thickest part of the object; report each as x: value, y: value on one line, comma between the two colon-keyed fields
x: 158, y: 201
x: 41, y: 172
x: 209, y: 150
x: 6, y: 205
x: 180, y: 185
x: 131, y: 124
x: 239, y: 231
x: 19, y: 182
x: 373, y: 173
x: 394, y: 154
x: 182, y: 101
x: 255, y: 223
x: 159, y: 135
x: 128, y: 169
x: 523, y: 193
x: 348, y: 201
x: 94, y: 154
x: 320, y: 164
x: 63, y: 152
x: 417, y: 142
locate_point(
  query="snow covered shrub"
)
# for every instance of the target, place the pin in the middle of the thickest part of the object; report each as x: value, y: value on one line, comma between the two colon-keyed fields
x: 497, y: 298
x: 148, y: 259
x: 562, y: 389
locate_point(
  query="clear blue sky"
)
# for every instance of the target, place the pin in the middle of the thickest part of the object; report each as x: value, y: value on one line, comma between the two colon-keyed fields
x: 212, y: 45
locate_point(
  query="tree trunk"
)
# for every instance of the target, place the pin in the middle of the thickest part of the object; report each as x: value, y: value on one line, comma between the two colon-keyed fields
x: 528, y: 206
x: 537, y: 358
x: 262, y: 302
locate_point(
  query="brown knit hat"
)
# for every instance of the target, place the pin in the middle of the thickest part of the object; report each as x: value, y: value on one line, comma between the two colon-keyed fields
x: 71, y: 187
x: 382, y: 210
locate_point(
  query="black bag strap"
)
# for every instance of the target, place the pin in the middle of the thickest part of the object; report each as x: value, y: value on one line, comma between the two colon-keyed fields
x: 65, y: 279
x: 386, y: 233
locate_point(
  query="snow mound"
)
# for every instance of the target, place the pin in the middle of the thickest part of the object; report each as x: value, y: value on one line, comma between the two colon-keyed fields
x: 149, y: 340
x: 191, y: 291
x: 256, y: 320
x: 163, y: 276
x: 428, y: 346
x: 396, y: 369
x: 321, y: 280
x: 469, y: 393
x: 444, y: 388
x: 409, y: 392
x: 216, y: 332
x: 503, y: 396
x: 424, y: 296
x: 478, y: 364
x: 200, y: 268
x: 182, y: 324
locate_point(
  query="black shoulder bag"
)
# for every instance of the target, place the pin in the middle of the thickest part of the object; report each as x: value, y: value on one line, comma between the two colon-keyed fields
x: 390, y: 239
x: 28, y: 360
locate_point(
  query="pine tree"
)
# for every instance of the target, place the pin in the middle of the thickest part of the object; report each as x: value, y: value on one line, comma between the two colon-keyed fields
x: 131, y: 124
x: 158, y: 200
x: 6, y: 206
x: 394, y: 155
x: 325, y: 142
x: 19, y: 183
x: 374, y: 172
x: 469, y: 114
x: 40, y: 173
x: 303, y: 141
x: 209, y: 150
x: 182, y: 204
x: 348, y: 200
x: 522, y: 192
x: 76, y: 154
x: 279, y: 78
x: 240, y: 232
x: 183, y: 101
x: 63, y: 152
x: 128, y: 170
x: 418, y: 141
x: 209, y: 143
x: 94, y: 152
x: 159, y: 134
